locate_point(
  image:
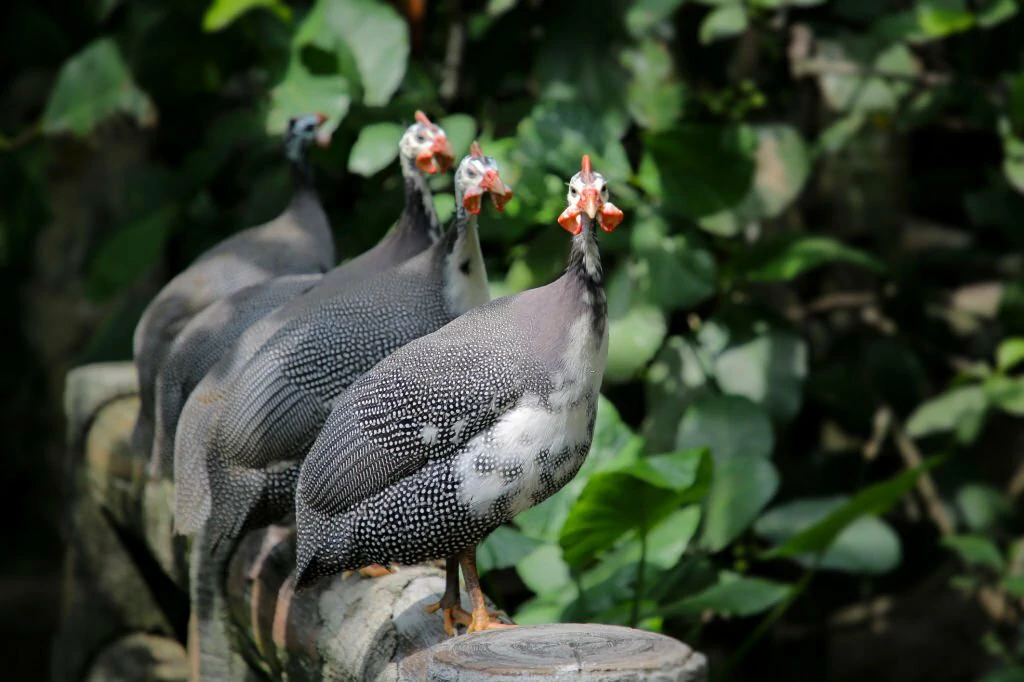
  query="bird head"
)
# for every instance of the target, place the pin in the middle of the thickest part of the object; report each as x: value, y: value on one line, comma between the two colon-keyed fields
x: 427, y: 144
x: 301, y: 131
x: 588, y: 193
x: 476, y: 175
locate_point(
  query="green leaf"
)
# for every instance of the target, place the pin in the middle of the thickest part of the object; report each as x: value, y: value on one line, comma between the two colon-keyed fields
x: 378, y: 38
x: 598, y: 519
x: 1009, y: 354
x: 614, y: 444
x: 860, y: 94
x: 675, y: 471
x: 671, y: 271
x: 940, y: 18
x: 982, y: 506
x: 543, y: 570
x: 1014, y: 586
x: 673, y: 381
x: 220, y: 13
x: 996, y: 12
x: 732, y: 596
x: 375, y: 148
x: 126, y: 254
x: 655, y: 96
x: 1013, y: 673
x: 872, y: 501
x: 946, y: 411
x: 783, y: 164
x: 92, y: 86
x: 784, y: 258
x: 301, y: 92
x: 868, y: 545
x: 730, y: 426
x: 769, y: 369
x: 702, y: 169
x: 503, y: 548
x: 632, y: 341
x: 740, y: 488
x: 668, y: 540
x: 723, y: 22
x: 461, y: 131
x: 976, y: 550
x: 1005, y: 393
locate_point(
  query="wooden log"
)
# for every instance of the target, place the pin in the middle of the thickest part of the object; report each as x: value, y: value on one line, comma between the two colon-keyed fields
x: 140, y: 657
x: 346, y: 627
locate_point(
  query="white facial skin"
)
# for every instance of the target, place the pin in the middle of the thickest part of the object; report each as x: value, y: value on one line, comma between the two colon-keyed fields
x: 477, y: 175
x: 421, y: 144
x: 577, y: 185
x: 301, y: 131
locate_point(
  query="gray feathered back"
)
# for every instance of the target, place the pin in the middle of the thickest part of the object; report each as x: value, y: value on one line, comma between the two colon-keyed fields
x: 200, y: 345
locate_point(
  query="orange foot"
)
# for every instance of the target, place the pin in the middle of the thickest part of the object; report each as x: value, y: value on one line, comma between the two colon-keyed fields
x: 371, y: 571
x: 452, y: 615
x: 482, y: 619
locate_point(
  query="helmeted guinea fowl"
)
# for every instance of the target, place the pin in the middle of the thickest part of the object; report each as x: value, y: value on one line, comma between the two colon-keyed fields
x: 273, y: 411
x: 457, y: 432
x: 423, y: 149
x: 297, y: 241
x: 201, y: 343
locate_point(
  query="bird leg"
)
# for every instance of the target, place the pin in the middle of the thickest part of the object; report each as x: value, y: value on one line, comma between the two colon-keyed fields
x: 482, y: 619
x: 451, y: 600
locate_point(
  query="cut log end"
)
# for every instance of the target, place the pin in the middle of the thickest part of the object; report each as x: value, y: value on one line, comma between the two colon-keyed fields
x: 579, y: 652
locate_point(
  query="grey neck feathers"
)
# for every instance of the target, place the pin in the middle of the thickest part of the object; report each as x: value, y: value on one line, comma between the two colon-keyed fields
x: 584, y: 273
x: 418, y: 217
x: 463, y: 273
x: 296, y: 149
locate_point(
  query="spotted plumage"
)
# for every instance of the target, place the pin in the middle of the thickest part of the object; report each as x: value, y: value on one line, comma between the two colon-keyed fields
x: 200, y: 345
x: 423, y: 148
x: 459, y: 431
x: 298, y: 241
x: 273, y: 411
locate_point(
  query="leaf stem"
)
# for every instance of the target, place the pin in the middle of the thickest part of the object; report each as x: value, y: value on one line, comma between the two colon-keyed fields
x: 638, y: 592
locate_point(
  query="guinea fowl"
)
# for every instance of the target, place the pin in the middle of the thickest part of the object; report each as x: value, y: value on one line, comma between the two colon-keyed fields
x: 457, y: 432
x: 274, y: 409
x: 423, y: 149
x: 297, y: 241
x: 201, y: 343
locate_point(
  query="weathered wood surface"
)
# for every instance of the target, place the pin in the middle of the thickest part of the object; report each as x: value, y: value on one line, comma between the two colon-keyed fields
x: 349, y: 628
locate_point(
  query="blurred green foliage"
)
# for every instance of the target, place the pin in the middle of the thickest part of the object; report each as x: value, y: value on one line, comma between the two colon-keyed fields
x: 812, y: 189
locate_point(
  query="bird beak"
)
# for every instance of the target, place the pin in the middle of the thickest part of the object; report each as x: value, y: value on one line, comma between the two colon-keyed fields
x: 591, y: 202
x: 500, y: 194
x: 443, y: 154
x: 323, y: 137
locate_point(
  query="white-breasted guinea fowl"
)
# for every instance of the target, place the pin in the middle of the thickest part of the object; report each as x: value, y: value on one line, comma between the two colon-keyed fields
x: 457, y: 432
x: 297, y: 241
x: 423, y: 150
x: 273, y: 411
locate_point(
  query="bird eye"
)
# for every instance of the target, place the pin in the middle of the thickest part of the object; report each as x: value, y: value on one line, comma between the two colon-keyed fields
x: 573, y: 191
x: 604, y: 192
x: 420, y: 137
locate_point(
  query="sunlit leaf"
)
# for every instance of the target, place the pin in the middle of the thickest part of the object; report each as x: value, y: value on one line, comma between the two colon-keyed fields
x: 729, y: 426
x: 769, y: 369
x: 92, y: 86
x: 940, y: 18
x: 733, y: 596
x: 375, y: 148
x: 221, y: 13
x: 783, y: 165
x: 655, y: 95
x: 301, y: 92
x: 723, y: 22
x: 461, y: 131
x: 672, y: 382
x: 947, y: 411
x: 378, y: 38
x: 976, y: 550
x: 1009, y: 354
x: 872, y: 501
x: 868, y: 545
x: 785, y: 258
x: 672, y: 271
x: 643, y: 15
x: 1005, y: 393
x: 740, y: 488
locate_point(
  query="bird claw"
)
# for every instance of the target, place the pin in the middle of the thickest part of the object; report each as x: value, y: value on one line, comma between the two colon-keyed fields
x: 486, y: 620
x: 375, y: 571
